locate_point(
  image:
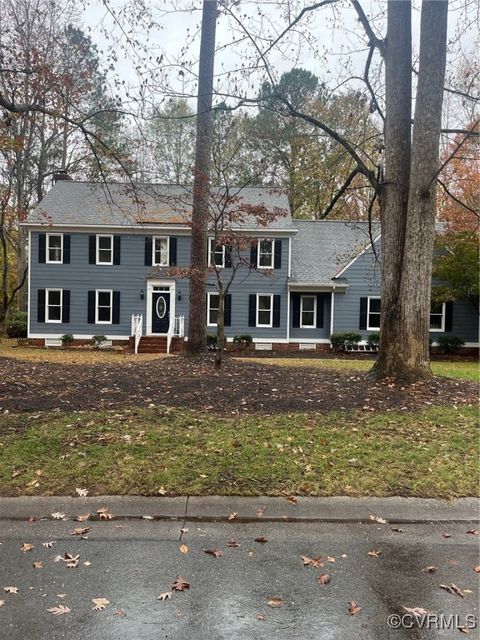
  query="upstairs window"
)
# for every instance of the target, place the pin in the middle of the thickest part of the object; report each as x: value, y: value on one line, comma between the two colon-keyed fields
x: 373, y: 314
x: 437, y: 316
x: 160, y: 248
x: 54, y: 248
x: 53, y: 305
x: 104, y: 249
x: 265, y: 254
x: 308, y: 312
x: 216, y: 254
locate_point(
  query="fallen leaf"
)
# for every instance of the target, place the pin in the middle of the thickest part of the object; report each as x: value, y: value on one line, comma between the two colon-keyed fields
x: 71, y: 560
x: 275, y: 602
x: 397, y: 530
x: 324, y: 578
x: 464, y: 630
x: 180, y: 584
x: 58, y: 515
x: 59, y: 610
x: 232, y: 543
x: 162, y: 491
x: 81, y: 492
x: 100, y: 603
x: 165, y: 596
x: 330, y: 559
x: 184, y: 530
x: 120, y: 613
x: 213, y: 552
x: 353, y: 608
x: 87, y: 563
x: 473, y: 532
x: 10, y: 589
x: 430, y: 569
x: 260, y: 617
x: 416, y: 611
x: 261, y: 539
x: 80, y: 532
x: 313, y: 562
x: 375, y: 554
x: 452, y: 588
x: 2, y: 602
x: 477, y: 569
x: 147, y: 517
x: 232, y: 516
x: 102, y: 510
x: 106, y: 516
x: 183, y: 548
x: 82, y: 517
x: 48, y: 545
x: 260, y: 512
x: 447, y: 535
x: 26, y: 547
x: 292, y: 500
x: 38, y: 564
x: 377, y: 519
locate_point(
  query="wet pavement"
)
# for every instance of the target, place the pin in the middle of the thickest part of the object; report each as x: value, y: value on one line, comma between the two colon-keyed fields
x: 130, y: 562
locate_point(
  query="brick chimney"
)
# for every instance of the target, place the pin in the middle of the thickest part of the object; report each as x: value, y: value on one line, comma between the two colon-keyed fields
x: 60, y: 175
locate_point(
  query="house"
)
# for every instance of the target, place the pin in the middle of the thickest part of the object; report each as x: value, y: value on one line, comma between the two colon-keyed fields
x: 107, y: 259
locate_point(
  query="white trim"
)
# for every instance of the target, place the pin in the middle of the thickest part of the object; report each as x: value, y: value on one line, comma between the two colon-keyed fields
x: 29, y: 297
x: 47, y: 250
x: 211, y: 253
x: 309, y: 326
x: 264, y: 326
x: 364, y: 250
x: 259, y: 241
x: 97, y: 291
x: 97, y: 238
x: 289, y: 258
x: 159, y: 264
x: 78, y: 336
x: 317, y: 286
x: 288, y: 314
x: 332, y: 311
x: 442, y: 327
x: 158, y: 283
x: 209, y: 294
x: 310, y: 340
x: 47, y: 305
x: 369, y: 328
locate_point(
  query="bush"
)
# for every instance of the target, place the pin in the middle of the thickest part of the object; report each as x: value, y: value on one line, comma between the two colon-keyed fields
x: 98, y: 340
x: 373, y: 339
x: 67, y: 339
x: 244, y: 339
x: 16, y: 325
x: 211, y: 341
x: 447, y: 344
x: 345, y: 340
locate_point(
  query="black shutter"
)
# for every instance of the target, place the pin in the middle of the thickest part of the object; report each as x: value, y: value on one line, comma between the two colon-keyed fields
x: 253, y: 256
x: 252, y: 310
x: 92, y: 250
x: 91, y: 306
x: 41, y: 305
x: 227, y: 315
x: 277, y: 255
x: 363, y: 313
x: 148, y: 251
x: 116, y: 249
x: 66, y: 306
x: 172, y: 252
x: 116, y: 308
x: 228, y: 256
x: 295, y: 310
x: 42, y: 247
x: 448, y: 316
x: 320, y: 303
x: 276, y: 311
x: 66, y: 249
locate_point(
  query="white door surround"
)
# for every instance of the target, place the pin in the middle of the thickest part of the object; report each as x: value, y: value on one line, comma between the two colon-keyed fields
x: 168, y: 285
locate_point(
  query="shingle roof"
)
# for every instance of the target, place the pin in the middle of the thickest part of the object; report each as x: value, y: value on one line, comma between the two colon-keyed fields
x: 322, y: 247
x: 93, y: 203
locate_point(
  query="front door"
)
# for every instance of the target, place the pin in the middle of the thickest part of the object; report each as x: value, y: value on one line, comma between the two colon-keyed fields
x: 160, y: 311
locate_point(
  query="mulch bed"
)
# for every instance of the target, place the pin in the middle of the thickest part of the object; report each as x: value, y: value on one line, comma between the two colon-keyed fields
x: 193, y: 383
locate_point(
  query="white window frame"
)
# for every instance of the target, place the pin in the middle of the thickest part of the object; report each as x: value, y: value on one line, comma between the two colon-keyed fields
x: 209, y: 294
x: 211, y: 253
x: 47, y: 305
x: 160, y: 264
x: 259, y: 242
x: 97, y: 247
x: 97, y: 291
x: 442, y: 328
x: 308, y: 326
x: 266, y: 295
x: 369, y: 328
x: 47, y: 248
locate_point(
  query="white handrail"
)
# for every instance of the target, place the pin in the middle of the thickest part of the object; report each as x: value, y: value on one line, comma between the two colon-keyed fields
x: 137, y: 329
x: 176, y: 328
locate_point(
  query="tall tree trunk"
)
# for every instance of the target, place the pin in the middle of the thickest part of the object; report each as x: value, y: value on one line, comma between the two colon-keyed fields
x: 220, y: 328
x: 201, y: 184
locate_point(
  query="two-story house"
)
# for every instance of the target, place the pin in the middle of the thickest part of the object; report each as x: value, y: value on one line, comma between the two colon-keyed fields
x: 106, y: 259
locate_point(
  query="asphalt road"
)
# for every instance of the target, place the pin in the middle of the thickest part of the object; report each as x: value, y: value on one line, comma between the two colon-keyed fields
x: 134, y: 561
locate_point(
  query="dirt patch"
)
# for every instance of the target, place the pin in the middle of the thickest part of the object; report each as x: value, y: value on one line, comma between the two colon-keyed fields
x: 239, y: 388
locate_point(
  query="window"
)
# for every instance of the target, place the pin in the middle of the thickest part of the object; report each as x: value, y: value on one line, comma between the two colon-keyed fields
x: 103, y: 306
x: 437, y: 316
x: 53, y: 305
x: 264, y: 310
x: 216, y: 254
x: 373, y: 314
x: 160, y: 251
x: 265, y: 254
x: 104, y: 249
x: 212, y: 309
x: 54, y: 248
x: 308, y: 312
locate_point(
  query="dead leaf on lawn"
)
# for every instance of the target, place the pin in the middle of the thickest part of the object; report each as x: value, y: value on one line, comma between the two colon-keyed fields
x: 261, y: 539
x: 59, y: 610
x: 353, y: 608
x: 99, y: 604
x: 58, y: 515
x: 313, y: 562
x: 183, y: 548
x: 416, y: 611
x: 162, y: 491
x: 38, y: 564
x: 430, y: 569
x: 83, y: 493
x: 80, y: 532
x: 376, y: 553
x: 232, y: 543
x: 165, y: 596
x: 10, y: 589
x: 83, y: 517
x: 275, y: 602
x: 232, y: 516
x: 26, y: 547
x: 453, y: 589
x: 323, y: 578
x: 213, y: 552
x: 180, y: 584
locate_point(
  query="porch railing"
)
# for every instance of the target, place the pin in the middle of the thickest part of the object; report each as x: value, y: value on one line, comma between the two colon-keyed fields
x: 137, y: 329
x: 176, y: 329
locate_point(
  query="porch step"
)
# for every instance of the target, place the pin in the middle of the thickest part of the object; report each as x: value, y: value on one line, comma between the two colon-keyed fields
x: 152, y: 344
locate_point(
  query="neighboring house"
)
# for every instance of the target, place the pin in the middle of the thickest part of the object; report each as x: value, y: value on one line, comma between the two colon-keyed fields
x: 107, y: 260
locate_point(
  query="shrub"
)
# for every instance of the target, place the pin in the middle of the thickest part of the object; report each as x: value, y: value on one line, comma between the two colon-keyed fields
x: 67, y: 339
x: 244, y: 339
x: 447, y: 344
x: 373, y: 339
x: 16, y: 325
x: 98, y: 340
x: 211, y: 341
x: 345, y: 340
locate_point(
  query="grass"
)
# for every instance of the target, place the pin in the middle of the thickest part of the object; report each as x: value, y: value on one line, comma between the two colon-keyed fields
x: 465, y: 370
x: 432, y: 453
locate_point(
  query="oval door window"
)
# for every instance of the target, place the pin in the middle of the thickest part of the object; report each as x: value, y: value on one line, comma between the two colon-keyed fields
x: 161, y: 307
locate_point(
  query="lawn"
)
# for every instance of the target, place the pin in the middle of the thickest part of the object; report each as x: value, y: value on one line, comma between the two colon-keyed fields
x: 432, y: 452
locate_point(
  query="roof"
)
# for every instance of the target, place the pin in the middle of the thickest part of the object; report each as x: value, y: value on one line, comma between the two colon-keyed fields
x: 321, y: 248
x: 115, y: 204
